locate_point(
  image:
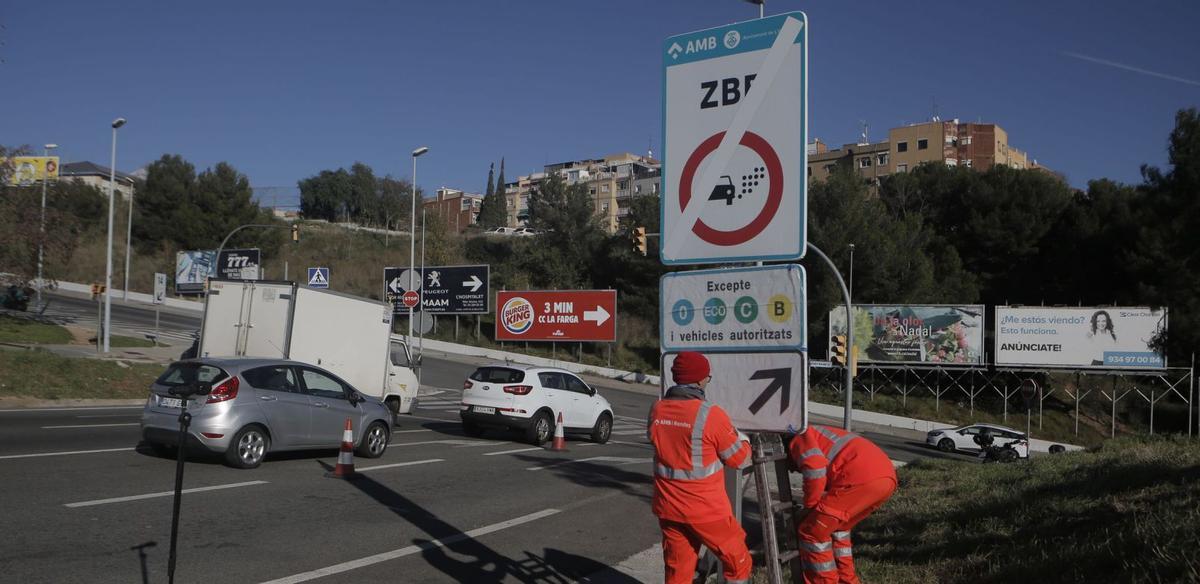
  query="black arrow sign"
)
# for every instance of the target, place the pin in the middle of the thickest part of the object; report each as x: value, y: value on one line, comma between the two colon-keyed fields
x: 781, y: 381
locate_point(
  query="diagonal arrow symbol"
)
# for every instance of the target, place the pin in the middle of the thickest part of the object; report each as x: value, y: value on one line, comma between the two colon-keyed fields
x: 781, y: 380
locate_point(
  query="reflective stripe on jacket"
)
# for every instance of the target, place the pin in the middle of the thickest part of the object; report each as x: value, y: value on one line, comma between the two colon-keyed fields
x: 693, y: 440
x: 831, y: 457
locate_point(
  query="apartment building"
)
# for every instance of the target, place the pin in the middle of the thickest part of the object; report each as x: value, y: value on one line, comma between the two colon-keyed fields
x: 457, y: 209
x: 95, y: 175
x: 612, y: 182
x: 974, y: 145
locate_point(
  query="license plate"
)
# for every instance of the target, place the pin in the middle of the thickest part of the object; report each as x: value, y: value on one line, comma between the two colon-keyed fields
x: 483, y: 410
x: 170, y: 402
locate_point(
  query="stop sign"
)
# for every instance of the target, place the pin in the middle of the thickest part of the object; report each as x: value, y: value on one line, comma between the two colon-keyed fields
x: 411, y: 298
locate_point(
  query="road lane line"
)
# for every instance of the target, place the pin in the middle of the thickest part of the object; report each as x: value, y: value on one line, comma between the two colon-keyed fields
x: 642, y: 421
x: 641, y: 432
x: 91, y: 409
x: 483, y: 443
x: 617, y: 459
x: 90, y: 426
x: 107, y: 416
x: 412, y: 549
x: 162, y: 494
x: 513, y: 451
x: 410, y: 463
x: 416, y: 417
x: 65, y: 453
x: 450, y: 442
x: 898, y: 463
x: 411, y: 431
x: 638, y: 444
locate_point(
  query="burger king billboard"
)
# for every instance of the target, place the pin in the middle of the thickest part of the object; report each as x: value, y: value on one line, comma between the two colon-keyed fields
x: 556, y: 315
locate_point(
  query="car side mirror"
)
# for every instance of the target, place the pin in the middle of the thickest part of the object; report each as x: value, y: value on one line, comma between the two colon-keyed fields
x: 356, y: 398
x: 591, y: 391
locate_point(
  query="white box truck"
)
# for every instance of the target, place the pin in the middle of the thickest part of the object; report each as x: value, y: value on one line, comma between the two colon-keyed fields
x: 347, y: 335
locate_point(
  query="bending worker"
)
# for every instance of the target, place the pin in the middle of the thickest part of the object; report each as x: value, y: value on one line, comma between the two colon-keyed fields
x: 693, y: 439
x: 846, y: 478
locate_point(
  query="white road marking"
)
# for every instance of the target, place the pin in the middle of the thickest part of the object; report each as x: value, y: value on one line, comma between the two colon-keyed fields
x: 416, y: 417
x: 483, y: 444
x: 410, y: 463
x: 65, y: 453
x: 640, y: 444
x: 412, y: 549
x: 91, y: 409
x: 411, y: 431
x: 617, y: 459
x: 898, y: 463
x: 107, y: 416
x: 641, y: 432
x: 162, y: 494
x: 641, y: 421
x: 513, y: 451
x: 90, y: 426
x: 588, y: 444
x: 450, y: 442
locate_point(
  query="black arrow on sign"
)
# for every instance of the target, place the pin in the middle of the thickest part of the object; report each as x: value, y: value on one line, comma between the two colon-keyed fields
x: 781, y: 381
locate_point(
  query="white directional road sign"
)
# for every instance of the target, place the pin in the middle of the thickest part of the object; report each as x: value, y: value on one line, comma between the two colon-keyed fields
x: 761, y: 392
x: 743, y: 309
x: 735, y: 119
x: 160, y: 288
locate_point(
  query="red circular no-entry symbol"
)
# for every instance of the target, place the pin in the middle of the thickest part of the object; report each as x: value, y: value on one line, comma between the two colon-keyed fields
x: 411, y: 298
x: 774, y: 194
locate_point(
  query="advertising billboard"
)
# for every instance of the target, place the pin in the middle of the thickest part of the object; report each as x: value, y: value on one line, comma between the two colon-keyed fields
x: 31, y: 169
x: 1079, y: 337
x: 239, y: 264
x: 914, y: 334
x: 192, y: 268
x: 556, y: 315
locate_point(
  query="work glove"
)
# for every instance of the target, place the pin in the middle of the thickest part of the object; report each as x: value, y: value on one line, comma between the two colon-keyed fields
x: 743, y: 437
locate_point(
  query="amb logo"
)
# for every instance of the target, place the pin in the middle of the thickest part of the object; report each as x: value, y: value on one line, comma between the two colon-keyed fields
x: 517, y: 316
x: 697, y: 45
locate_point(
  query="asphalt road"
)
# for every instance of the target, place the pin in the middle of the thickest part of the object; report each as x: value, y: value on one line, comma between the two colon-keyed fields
x: 82, y: 503
x: 133, y: 318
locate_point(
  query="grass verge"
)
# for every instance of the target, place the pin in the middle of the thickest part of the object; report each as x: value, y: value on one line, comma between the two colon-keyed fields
x: 44, y: 375
x: 1128, y: 511
x: 24, y: 330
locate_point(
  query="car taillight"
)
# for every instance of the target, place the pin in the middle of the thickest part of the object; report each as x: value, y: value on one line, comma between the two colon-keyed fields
x: 518, y: 389
x: 467, y: 384
x: 224, y: 392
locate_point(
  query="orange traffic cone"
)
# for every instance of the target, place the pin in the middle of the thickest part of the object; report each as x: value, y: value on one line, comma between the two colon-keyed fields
x: 560, y: 441
x: 345, y: 461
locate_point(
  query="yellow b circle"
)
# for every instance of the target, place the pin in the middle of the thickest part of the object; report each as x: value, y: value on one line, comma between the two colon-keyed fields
x: 779, y: 308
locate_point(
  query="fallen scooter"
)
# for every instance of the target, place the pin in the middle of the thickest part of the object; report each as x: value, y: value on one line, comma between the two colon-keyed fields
x: 989, y: 452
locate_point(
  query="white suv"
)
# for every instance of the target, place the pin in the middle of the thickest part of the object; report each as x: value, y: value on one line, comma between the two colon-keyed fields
x: 530, y: 399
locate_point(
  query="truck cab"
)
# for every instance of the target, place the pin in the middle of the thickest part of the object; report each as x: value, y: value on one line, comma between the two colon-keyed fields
x: 403, y: 383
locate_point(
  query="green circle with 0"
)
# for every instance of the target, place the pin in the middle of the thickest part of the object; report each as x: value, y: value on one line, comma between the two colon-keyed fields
x: 745, y: 310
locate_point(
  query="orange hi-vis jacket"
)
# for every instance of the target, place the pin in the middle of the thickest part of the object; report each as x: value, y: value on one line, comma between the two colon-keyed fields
x: 693, y: 439
x: 832, y: 457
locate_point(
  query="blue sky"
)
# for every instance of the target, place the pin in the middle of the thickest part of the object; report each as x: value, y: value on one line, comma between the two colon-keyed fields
x: 283, y: 90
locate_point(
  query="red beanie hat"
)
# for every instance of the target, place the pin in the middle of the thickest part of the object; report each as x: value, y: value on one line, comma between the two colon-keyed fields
x: 689, y: 367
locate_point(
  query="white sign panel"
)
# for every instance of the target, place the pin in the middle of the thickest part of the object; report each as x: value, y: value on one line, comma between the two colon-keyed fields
x: 735, y: 122
x: 742, y: 309
x: 1101, y: 338
x: 160, y: 288
x: 761, y: 392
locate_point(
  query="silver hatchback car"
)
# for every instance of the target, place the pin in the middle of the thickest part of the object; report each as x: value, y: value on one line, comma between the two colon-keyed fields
x: 256, y: 406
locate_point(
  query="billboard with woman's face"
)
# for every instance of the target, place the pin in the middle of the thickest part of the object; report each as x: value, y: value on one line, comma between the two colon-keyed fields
x: 1101, y: 338
x: 914, y: 335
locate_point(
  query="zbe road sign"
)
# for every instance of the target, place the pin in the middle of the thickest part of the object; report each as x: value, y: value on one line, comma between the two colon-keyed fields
x: 743, y: 309
x: 761, y: 392
x: 735, y: 123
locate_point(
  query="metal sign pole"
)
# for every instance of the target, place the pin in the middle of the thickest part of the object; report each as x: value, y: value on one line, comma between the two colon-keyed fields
x: 849, y: 404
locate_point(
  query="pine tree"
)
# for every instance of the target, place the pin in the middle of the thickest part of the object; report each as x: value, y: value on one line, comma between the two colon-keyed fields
x: 501, y: 197
x: 488, y: 193
x: 493, y: 213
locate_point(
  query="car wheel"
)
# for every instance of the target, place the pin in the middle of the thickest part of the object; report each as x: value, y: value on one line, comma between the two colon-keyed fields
x: 472, y: 430
x: 602, y: 431
x: 1058, y: 449
x: 540, y: 429
x: 375, y: 441
x: 946, y: 445
x: 393, y: 404
x: 248, y: 448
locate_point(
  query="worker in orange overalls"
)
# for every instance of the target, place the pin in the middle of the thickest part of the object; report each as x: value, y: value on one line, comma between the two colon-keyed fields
x: 693, y: 440
x: 846, y: 478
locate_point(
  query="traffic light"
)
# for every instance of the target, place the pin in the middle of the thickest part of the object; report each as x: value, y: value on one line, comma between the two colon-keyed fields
x: 837, y: 354
x: 639, y: 239
x: 295, y: 233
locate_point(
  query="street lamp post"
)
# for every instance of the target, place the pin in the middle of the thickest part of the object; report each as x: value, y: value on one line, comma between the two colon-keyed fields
x: 128, y: 240
x: 412, y: 237
x: 42, y: 231
x: 852, y: 271
x: 112, y: 177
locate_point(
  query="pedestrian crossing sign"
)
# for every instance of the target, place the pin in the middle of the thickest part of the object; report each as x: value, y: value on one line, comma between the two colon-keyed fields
x: 318, y: 277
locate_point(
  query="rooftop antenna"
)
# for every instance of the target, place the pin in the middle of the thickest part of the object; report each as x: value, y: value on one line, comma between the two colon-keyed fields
x: 935, y: 111
x: 650, y: 147
x: 865, y: 134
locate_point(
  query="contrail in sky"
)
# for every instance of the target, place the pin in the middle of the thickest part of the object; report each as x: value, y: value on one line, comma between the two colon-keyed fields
x: 1132, y: 68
